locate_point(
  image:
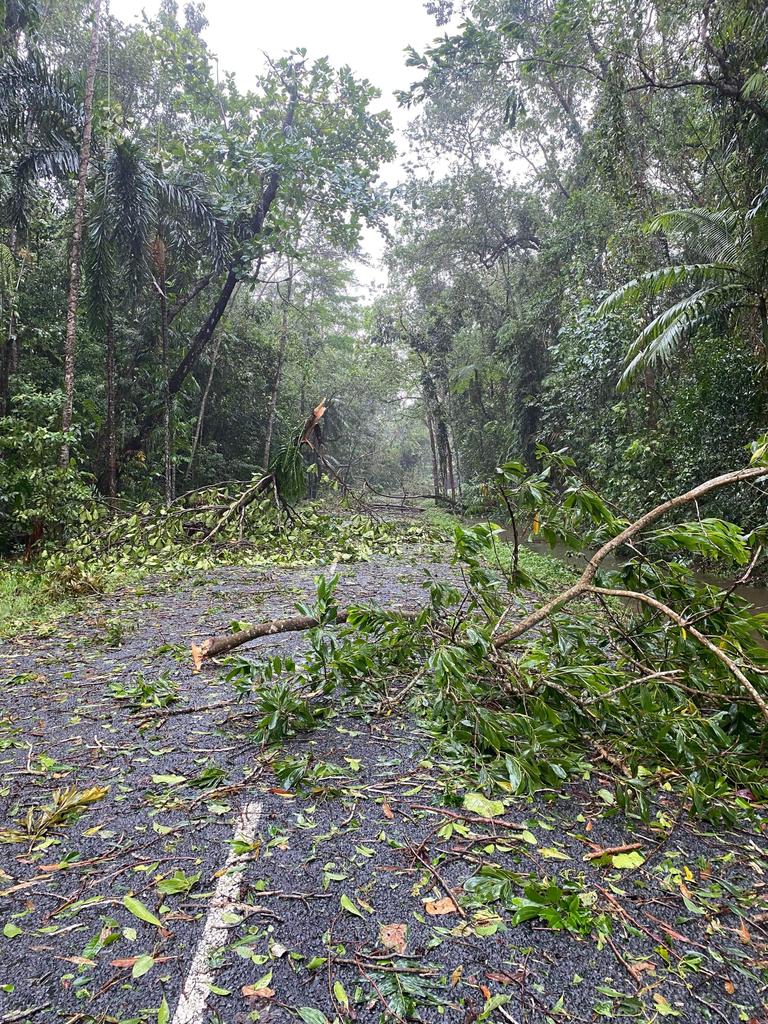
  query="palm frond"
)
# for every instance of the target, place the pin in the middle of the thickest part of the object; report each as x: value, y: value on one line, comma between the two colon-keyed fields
x: 659, y: 339
x: 100, y: 262
x: 657, y: 281
x: 134, y: 210
x: 34, y: 98
x: 47, y: 163
x: 187, y: 203
x: 689, y: 307
x: 289, y: 471
x: 709, y: 223
x: 718, y: 235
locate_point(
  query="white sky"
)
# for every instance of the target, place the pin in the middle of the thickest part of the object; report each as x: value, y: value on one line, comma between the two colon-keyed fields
x: 365, y: 34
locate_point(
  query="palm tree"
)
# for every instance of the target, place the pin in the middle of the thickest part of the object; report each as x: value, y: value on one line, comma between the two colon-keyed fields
x: 729, y: 281
x: 40, y: 118
x: 137, y: 215
x: 78, y: 220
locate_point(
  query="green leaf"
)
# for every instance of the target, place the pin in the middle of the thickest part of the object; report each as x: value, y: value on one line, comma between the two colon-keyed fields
x: 628, y: 860
x: 349, y: 906
x: 137, y: 908
x: 663, y: 1007
x: 10, y: 931
x: 264, y: 981
x: 552, y: 854
x: 311, y: 1016
x: 492, y: 1004
x: 163, y: 1014
x: 478, y: 804
x: 178, y: 882
x: 340, y: 994
x: 143, y: 964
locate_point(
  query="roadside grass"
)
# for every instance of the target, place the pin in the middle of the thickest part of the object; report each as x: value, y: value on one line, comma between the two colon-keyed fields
x: 28, y: 604
x: 548, y: 571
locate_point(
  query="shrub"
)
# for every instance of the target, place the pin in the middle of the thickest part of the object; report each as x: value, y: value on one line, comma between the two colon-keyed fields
x: 38, y: 498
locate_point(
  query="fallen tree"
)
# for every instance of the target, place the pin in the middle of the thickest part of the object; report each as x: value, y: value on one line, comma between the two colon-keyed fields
x: 644, y: 665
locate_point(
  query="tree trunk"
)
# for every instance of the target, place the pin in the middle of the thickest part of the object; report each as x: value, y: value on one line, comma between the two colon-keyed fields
x: 9, y: 352
x: 278, y: 370
x: 110, y: 425
x: 451, y: 473
x: 435, y: 473
x: 203, y: 404
x: 445, y: 469
x: 170, y: 488
x: 73, y: 293
x: 205, y: 333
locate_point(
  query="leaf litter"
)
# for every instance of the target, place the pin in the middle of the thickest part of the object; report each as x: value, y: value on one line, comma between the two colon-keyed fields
x: 382, y: 885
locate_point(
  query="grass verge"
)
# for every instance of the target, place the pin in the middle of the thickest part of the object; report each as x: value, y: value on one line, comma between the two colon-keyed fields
x: 547, y: 570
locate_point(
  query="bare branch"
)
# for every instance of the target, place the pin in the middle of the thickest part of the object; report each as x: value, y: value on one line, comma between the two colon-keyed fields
x: 583, y: 584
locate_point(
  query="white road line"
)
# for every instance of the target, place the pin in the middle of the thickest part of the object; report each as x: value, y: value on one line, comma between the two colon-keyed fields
x: 194, y: 995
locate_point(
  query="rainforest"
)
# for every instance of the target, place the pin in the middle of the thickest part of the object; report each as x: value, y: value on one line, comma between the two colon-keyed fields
x: 383, y: 512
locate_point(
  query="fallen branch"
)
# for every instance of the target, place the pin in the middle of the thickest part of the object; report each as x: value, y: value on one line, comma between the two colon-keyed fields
x: 242, y: 502
x: 584, y: 582
x: 684, y: 624
x: 610, y: 850
x: 293, y: 624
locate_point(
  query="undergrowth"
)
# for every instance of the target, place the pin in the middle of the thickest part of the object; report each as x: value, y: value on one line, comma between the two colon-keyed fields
x: 545, y: 570
x: 27, y: 603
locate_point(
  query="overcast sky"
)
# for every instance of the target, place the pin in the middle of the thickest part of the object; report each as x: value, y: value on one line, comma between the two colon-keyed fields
x: 369, y: 36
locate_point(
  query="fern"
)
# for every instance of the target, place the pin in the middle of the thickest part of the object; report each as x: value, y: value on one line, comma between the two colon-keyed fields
x: 731, y: 275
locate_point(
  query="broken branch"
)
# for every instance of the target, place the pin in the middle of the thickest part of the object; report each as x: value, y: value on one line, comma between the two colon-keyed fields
x: 293, y: 624
x: 583, y: 584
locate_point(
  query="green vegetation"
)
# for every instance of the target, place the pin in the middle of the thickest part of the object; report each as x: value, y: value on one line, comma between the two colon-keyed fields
x: 545, y: 570
x: 27, y: 603
x: 522, y: 700
x: 524, y: 713
x: 586, y: 269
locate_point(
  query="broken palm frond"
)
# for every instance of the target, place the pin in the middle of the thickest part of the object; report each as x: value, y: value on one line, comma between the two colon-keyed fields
x: 65, y: 804
x: 656, y: 692
x: 287, y: 467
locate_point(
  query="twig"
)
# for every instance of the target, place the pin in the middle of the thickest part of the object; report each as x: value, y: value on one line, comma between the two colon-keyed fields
x: 439, y: 878
x: 626, y: 848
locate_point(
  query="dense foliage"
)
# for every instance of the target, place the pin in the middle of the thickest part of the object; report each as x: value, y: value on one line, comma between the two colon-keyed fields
x: 578, y: 254
x: 590, y: 151
x: 217, y: 308
x: 199, y: 402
